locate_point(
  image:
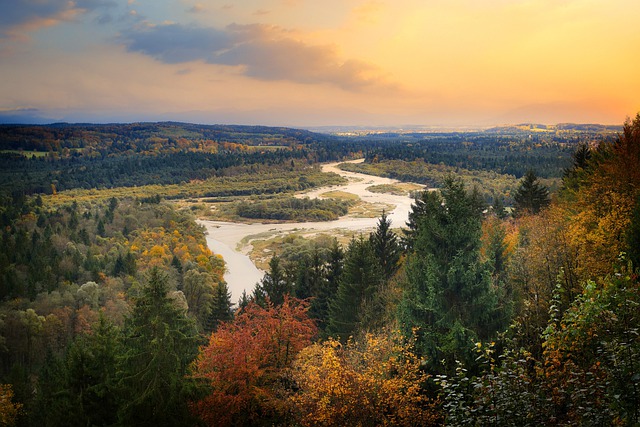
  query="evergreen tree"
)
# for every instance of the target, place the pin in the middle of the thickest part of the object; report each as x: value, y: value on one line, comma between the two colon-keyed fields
x: 328, y: 286
x: 633, y: 236
x: 100, y: 230
x: 160, y: 343
x: 244, y: 300
x: 360, y: 280
x: 274, y: 284
x: 418, y: 210
x: 498, y: 208
x: 573, y: 175
x: 531, y: 196
x: 448, y: 295
x: 221, y: 307
x: 386, y: 247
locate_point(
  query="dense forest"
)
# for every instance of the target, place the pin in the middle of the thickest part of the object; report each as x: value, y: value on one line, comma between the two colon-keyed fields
x: 114, y: 312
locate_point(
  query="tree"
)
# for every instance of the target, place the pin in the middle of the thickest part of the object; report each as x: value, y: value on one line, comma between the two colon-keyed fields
x: 448, y: 295
x: 221, y: 307
x: 199, y: 290
x: 498, y: 208
x: 360, y: 280
x: 531, y: 196
x: 376, y: 381
x: 386, y: 247
x: 9, y: 410
x: 245, y: 363
x: 320, y: 305
x: 160, y: 342
x: 80, y: 388
x: 274, y: 285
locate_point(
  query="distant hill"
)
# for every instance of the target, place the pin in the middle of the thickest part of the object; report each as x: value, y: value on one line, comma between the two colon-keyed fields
x: 54, y: 137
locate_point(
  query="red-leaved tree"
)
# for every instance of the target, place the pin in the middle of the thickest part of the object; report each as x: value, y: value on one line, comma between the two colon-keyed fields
x: 245, y: 363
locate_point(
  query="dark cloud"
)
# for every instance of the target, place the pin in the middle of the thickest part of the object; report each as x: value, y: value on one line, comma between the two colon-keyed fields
x: 22, y: 115
x: 18, y: 13
x: 264, y: 52
x: 175, y: 43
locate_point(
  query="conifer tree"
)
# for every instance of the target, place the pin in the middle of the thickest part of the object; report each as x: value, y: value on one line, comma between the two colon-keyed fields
x: 386, y: 247
x: 274, y: 284
x: 531, y: 196
x: 160, y: 343
x: 448, y: 300
x: 360, y: 280
x: 221, y: 307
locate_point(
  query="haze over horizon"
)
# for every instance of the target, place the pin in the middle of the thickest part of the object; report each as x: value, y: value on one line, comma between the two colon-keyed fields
x: 299, y: 63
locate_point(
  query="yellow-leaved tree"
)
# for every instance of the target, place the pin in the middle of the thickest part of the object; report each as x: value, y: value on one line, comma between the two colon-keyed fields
x: 376, y: 381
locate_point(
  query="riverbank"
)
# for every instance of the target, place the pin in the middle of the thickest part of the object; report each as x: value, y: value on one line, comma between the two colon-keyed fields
x: 233, y: 240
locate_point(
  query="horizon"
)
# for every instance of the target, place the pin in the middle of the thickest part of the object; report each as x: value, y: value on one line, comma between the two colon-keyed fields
x: 330, y: 129
x: 299, y: 64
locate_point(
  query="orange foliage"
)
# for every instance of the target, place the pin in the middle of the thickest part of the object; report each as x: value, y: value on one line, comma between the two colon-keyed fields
x: 246, y: 359
x: 376, y: 382
x: 9, y: 410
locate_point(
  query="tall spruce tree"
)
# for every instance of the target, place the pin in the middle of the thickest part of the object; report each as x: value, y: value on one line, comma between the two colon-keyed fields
x: 320, y: 306
x: 531, y: 196
x: 160, y: 343
x: 360, y: 280
x: 448, y: 301
x: 386, y: 247
x: 221, y: 308
x: 274, y: 285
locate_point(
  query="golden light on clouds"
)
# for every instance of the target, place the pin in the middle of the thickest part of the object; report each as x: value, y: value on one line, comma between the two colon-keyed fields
x: 303, y: 62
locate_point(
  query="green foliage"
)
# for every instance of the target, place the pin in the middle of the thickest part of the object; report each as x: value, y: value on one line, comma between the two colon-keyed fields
x: 160, y: 342
x: 294, y: 209
x: 274, y: 286
x: 107, y: 156
x: 531, y: 196
x: 386, y: 247
x: 587, y: 375
x: 80, y: 389
x: 448, y: 299
x: 358, y: 284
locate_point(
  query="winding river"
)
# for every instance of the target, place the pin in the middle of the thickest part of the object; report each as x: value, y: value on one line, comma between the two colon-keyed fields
x: 233, y: 240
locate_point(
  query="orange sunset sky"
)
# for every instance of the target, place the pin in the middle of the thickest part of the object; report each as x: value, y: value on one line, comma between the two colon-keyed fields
x: 313, y: 63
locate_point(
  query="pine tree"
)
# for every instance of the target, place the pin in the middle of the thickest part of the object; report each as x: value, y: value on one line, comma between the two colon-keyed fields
x: 360, y: 280
x: 328, y: 287
x: 274, y: 284
x: 160, y: 343
x: 531, y: 196
x: 448, y: 295
x: 498, y: 208
x: 386, y: 247
x: 221, y: 307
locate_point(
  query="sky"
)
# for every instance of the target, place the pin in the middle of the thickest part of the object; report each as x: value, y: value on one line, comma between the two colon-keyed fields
x: 309, y: 63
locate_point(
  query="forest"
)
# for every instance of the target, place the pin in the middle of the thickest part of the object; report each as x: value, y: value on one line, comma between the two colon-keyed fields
x: 113, y: 311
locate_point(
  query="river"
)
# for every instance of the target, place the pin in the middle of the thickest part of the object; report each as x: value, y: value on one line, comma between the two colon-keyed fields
x: 232, y: 240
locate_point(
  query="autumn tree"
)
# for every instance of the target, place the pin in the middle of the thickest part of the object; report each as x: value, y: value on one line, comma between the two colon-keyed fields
x: 245, y: 362
x: 9, y: 410
x: 376, y: 381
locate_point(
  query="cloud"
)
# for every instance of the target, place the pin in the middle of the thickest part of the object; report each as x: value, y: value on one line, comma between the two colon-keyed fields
x: 27, y: 15
x: 262, y: 52
x: 175, y: 43
x: 23, y: 115
x: 197, y: 8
